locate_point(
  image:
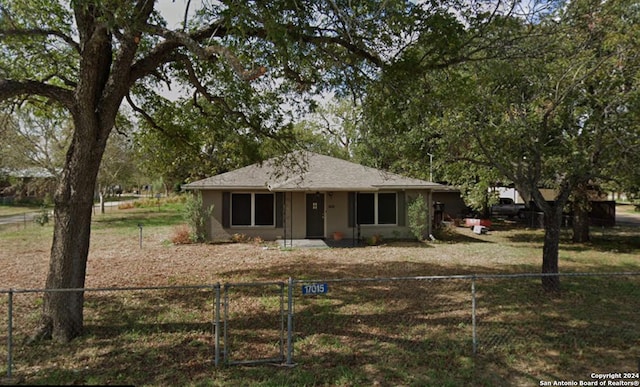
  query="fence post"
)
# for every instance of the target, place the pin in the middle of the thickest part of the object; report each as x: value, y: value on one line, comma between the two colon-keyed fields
x: 226, y: 319
x: 281, y: 285
x: 216, y: 323
x: 10, y: 334
x: 290, y: 323
x: 473, y: 315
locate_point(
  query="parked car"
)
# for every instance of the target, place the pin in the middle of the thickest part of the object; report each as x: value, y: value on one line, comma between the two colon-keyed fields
x: 507, y: 207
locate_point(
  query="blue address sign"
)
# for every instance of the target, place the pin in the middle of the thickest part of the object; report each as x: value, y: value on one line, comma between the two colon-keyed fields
x: 315, y: 289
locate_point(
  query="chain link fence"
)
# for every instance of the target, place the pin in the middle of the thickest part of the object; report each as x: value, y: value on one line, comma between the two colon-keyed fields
x: 254, y: 323
x: 590, y: 324
x: 496, y: 329
x: 124, y: 330
x: 396, y: 323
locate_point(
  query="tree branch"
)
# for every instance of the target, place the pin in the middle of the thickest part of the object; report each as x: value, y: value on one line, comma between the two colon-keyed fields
x: 116, y: 89
x: 44, y: 33
x: 144, y: 114
x: 208, y: 52
x: 147, y: 117
x: 320, y: 39
x: 165, y: 51
x: 220, y: 101
x: 10, y: 89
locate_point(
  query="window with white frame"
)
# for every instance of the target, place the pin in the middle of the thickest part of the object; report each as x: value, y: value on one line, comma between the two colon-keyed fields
x: 253, y: 209
x: 377, y: 208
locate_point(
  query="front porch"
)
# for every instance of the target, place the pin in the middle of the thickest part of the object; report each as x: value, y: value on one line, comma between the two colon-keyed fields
x: 318, y: 243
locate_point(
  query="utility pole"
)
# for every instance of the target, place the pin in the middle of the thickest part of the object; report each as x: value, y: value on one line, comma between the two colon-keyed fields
x: 430, y: 167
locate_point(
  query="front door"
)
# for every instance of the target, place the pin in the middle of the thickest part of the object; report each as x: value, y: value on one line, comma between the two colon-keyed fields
x: 315, y: 215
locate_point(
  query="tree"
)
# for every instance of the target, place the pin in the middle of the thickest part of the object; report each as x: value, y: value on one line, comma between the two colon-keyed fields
x: 331, y: 128
x: 36, y: 137
x: 560, y: 119
x: 402, y: 131
x: 558, y: 109
x: 195, y: 140
x: 89, y: 56
x: 118, y: 165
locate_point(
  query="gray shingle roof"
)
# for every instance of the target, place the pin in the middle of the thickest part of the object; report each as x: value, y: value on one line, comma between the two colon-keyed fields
x: 308, y: 171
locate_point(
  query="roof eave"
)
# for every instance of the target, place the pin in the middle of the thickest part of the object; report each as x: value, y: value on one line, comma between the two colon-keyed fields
x: 372, y: 188
x: 224, y: 187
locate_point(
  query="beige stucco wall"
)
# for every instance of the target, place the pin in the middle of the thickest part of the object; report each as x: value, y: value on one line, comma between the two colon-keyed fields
x: 295, y: 219
x: 337, y: 214
x: 217, y: 232
x: 214, y: 225
x: 336, y: 218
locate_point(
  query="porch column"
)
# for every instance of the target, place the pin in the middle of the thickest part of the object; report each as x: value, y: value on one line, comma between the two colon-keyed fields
x: 431, y: 214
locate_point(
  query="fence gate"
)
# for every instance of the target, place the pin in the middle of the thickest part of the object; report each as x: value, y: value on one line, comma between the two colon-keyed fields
x: 254, y: 323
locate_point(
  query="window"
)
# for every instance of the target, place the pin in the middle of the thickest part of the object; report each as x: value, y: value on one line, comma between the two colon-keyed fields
x: 386, y: 208
x: 264, y: 210
x: 252, y: 209
x: 241, y: 209
x: 366, y: 208
x: 377, y: 208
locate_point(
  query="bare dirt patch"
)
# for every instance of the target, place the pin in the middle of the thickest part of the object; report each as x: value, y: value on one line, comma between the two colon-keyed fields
x: 401, y: 332
x: 116, y: 258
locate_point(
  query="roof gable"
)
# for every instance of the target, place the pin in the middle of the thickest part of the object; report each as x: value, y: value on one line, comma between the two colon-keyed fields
x: 308, y: 171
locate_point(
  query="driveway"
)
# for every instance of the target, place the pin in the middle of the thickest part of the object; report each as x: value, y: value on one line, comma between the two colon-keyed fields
x: 26, y: 217
x: 627, y: 218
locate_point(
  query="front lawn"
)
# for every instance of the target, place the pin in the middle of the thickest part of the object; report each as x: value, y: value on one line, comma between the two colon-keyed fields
x: 406, y: 333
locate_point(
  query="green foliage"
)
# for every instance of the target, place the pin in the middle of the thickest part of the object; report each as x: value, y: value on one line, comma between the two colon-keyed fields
x: 42, y: 217
x: 118, y: 165
x: 189, y: 147
x: 550, y: 104
x: 331, y: 129
x: 35, y: 137
x: 418, y: 216
x: 196, y: 216
x: 374, y: 240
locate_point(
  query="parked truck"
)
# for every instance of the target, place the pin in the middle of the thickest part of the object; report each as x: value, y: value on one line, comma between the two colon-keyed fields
x: 507, y: 207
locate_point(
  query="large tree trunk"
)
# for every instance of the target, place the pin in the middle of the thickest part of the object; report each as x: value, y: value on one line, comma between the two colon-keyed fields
x: 552, y: 225
x: 550, y: 250
x: 93, y: 118
x: 580, y: 225
x: 62, y: 318
x: 581, y: 208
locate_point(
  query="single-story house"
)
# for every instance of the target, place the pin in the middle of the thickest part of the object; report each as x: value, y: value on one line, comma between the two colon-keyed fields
x: 306, y: 195
x: 29, y: 184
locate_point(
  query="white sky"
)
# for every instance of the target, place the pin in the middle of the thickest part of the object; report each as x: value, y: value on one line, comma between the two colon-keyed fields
x: 173, y: 10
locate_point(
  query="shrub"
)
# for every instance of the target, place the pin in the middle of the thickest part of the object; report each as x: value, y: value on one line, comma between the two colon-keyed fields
x: 125, y: 206
x: 374, y: 240
x: 42, y: 217
x: 181, y: 235
x: 146, y: 202
x: 176, y: 199
x: 418, y: 215
x: 196, y: 216
x: 240, y: 238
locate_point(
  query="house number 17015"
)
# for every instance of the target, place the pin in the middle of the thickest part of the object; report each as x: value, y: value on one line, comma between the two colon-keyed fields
x: 315, y: 288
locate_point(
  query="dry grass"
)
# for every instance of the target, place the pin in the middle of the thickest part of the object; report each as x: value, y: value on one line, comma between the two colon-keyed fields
x: 379, y: 333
